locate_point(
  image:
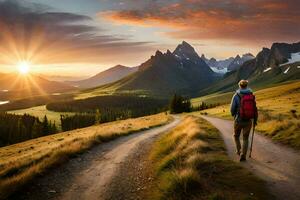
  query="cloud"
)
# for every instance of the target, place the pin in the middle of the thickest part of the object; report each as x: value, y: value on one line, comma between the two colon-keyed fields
x: 35, y: 32
x: 235, y: 20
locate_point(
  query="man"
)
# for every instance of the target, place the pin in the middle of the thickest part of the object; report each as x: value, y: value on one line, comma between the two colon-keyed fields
x: 244, y: 110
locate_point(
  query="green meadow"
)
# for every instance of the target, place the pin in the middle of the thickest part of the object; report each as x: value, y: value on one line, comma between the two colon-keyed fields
x: 40, y: 112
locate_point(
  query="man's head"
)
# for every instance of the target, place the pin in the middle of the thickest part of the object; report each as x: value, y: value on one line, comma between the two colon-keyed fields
x: 243, y: 84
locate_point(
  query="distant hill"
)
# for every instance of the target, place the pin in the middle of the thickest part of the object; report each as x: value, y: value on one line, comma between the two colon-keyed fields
x: 164, y: 74
x: 108, y: 76
x: 63, y: 78
x: 14, y: 86
x: 278, y: 64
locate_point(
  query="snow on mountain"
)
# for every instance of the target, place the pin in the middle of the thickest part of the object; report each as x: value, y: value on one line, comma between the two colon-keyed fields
x: 287, y: 70
x: 295, y: 57
x: 268, y: 69
x: 219, y: 71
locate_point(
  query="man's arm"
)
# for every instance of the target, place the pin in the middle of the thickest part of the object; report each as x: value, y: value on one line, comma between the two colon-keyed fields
x: 234, y: 105
x: 255, y: 112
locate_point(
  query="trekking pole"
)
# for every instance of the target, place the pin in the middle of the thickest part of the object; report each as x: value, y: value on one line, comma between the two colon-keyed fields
x: 252, y: 140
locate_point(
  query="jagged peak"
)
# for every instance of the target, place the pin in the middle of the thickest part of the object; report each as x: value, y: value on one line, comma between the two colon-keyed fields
x: 158, y: 53
x: 184, y: 43
x: 185, y: 49
x: 248, y: 54
x: 213, y: 59
x: 168, y: 52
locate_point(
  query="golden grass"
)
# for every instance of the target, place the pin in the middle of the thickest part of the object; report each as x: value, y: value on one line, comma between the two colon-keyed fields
x: 279, y: 113
x: 20, y: 162
x: 191, y: 163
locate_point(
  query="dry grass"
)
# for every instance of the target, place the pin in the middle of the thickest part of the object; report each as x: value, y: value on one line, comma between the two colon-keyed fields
x: 21, y: 162
x: 279, y: 113
x: 191, y: 163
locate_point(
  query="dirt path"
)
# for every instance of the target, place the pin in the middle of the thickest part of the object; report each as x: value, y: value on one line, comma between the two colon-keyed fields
x: 277, y: 164
x: 89, y: 176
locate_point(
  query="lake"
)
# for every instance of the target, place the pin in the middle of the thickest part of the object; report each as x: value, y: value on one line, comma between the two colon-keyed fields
x: 4, y: 102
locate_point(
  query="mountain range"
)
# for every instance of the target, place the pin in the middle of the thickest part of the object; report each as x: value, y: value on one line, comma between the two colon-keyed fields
x: 163, y: 74
x: 183, y: 71
x: 278, y: 64
x: 108, y: 76
x: 239, y: 61
x: 229, y: 64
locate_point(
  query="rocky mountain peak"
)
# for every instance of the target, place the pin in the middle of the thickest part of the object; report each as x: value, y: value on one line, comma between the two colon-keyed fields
x: 169, y: 52
x: 185, y: 49
x: 248, y: 55
x: 158, y: 53
x: 213, y: 60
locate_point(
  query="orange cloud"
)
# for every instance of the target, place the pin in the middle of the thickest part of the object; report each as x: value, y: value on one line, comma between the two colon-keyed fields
x: 243, y: 20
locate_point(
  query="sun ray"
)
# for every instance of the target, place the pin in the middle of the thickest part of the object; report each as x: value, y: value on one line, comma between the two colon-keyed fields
x: 36, y: 86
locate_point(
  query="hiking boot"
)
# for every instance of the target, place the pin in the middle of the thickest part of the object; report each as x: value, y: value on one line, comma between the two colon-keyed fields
x: 243, y: 158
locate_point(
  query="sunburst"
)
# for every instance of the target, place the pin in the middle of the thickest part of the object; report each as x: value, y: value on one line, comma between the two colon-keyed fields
x: 23, y: 67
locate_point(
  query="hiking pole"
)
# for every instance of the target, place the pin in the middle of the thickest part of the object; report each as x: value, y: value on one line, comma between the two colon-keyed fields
x: 252, y: 140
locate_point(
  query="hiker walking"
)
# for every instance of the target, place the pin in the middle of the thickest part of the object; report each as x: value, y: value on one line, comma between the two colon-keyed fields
x: 244, y: 111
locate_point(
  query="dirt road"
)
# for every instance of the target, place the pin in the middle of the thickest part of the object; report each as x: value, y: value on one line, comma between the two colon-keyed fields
x: 89, y: 175
x: 277, y: 164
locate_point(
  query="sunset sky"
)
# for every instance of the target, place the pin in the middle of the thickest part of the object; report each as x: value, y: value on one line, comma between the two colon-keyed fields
x: 83, y: 37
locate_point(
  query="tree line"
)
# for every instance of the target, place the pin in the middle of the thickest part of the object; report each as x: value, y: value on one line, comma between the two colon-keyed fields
x: 103, y: 109
x: 113, y: 103
x: 18, y: 128
x: 81, y: 120
x: 179, y: 104
x: 204, y: 106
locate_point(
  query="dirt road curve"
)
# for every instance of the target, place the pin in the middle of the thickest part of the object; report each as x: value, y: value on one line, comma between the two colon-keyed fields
x: 89, y: 176
x: 277, y: 164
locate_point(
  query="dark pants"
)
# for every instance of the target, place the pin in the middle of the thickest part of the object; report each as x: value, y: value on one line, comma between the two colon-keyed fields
x: 240, y: 127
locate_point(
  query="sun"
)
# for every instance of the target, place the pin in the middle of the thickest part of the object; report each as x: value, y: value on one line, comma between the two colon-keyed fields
x: 23, y: 67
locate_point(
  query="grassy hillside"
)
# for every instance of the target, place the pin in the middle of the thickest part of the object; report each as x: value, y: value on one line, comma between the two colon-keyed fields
x: 279, y: 111
x: 21, y: 162
x: 190, y: 162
